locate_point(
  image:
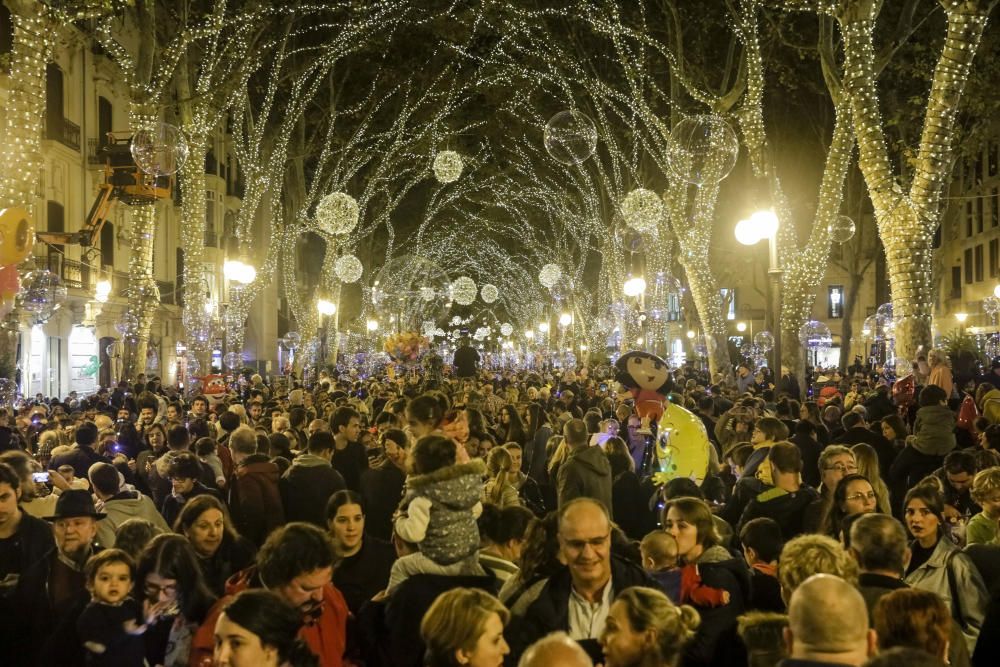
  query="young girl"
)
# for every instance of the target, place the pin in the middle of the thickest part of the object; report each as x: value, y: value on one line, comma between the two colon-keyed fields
x: 441, y: 503
x: 107, y: 627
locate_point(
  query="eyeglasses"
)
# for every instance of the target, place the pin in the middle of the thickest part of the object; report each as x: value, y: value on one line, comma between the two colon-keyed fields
x: 862, y: 496
x: 154, y: 591
x: 842, y: 468
x: 580, y: 545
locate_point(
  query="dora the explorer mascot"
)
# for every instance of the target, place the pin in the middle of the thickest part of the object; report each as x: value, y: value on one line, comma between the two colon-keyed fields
x: 647, y: 378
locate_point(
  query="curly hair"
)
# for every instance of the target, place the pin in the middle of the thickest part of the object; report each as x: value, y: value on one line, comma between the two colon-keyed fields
x: 806, y: 555
x: 651, y: 609
x: 915, y: 618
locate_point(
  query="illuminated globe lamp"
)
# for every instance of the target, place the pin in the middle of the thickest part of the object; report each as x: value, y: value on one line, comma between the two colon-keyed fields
x: 372, y: 326
x: 565, y: 320
x: 635, y: 286
x: 543, y: 327
x: 102, y: 290
x: 448, y: 166
x: 325, y: 307
x: 996, y: 291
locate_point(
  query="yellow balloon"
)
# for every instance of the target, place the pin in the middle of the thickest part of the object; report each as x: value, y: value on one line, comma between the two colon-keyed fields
x: 17, y: 236
x: 681, y: 446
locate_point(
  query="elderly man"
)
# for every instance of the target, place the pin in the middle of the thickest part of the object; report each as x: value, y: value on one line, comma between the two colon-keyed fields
x: 555, y: 650
x: 576, y: 600
x: 52, y: 592
x: 827, y: 625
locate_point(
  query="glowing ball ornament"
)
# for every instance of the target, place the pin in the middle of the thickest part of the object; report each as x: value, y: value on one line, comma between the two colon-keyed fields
x: 815, y: 336
x: 159, y: 150
x: 192, y: 364
x: 873, y: 328
x: 337, y: 213
x: 489, y: 293
x: 885, y: 311
x: 42, y: 293
x: 17, y: 236
x: 463, y: 290
x: 549, y: 275
x: 233, y: 360
x: 991, y: 305
x: 348, y: 268
x: 703, y: 149
x: 570, y: 137
x: 643, y: 210
x: 427, y: 293
x: 292, y: 340
x: 448, y: 166
x: 764, y: 340
x: 506, y: 329
x: 842, y: 229
x: 633, y: 240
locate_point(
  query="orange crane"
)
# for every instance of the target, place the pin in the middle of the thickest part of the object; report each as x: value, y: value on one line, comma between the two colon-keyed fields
x: 123, y: 181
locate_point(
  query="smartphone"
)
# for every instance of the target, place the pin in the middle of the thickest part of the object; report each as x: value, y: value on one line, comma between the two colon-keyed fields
x: 602, y: 387
x: 40, y: 477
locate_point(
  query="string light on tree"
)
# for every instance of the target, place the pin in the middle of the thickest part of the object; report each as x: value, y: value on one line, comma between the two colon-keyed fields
x: 337, y: 214
x: 348, y: 268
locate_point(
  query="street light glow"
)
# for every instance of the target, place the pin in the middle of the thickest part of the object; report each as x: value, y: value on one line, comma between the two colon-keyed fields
x: 761, y: 225
x: 565, y: 320
x: 635, y: 286
x: 326, y: 307
x: 961, y: 317
x: 690, y: 333
x: 372, y: 325
x: 741, y: 326
x: 543, y: 327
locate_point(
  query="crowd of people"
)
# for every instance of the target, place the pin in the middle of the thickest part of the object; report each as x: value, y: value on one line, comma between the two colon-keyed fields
x: 476, y: 518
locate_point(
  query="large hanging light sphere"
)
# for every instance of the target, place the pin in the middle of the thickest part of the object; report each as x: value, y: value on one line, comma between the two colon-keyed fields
x: 448, y: 166
x: 570, y: 137
x: 815, y: 336
x: 549, y: 275
x: 42, y: 293
x: 337, y: 213
x: 703, y: 149
x: 159, y: 150
x: 463, y: 290
x: 506, y: 328
x: 348, y: 268
x: 634, y: 286
x: 873, y: 328
x: 991, y: 305
x: 489, y: 293
x: 643, y: 210
x: 292, y: 340
x: 841, y: 229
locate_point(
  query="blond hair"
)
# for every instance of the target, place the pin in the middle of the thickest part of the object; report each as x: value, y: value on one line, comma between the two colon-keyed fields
x: 499, y: 464
x: 456, y: 620
x: 651, y: 609
x: 985, y: 484
x: 806, y: 555
x: 660, y: 547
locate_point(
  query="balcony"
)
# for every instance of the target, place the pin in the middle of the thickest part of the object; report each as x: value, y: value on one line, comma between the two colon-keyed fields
x: 94, y: 156
x: 63, y: 131
x: 73, y: 273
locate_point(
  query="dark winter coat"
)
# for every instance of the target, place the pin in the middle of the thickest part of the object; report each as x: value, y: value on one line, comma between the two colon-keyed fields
x: 585, y: 474
x: 307, y: 486
x: 716, y: 642
x: 172, y: 505
x: 254, y: 499
x: 788, y: 509
x: 381, y: 489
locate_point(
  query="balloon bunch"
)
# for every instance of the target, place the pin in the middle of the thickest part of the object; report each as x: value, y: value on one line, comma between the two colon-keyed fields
x: 406, y: 346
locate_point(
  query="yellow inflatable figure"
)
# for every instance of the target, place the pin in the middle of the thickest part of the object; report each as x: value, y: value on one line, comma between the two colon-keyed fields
x: 681, y: 448
x: 17, y: 236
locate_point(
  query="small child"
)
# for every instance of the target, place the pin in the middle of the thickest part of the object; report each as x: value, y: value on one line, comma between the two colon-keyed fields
x: 933, y: 437
x: 982, y: 528
x: 681, y: 584
x: 762, y: 543
x: 207, y: 451
x: 107, y: 626
x: 442, y: 503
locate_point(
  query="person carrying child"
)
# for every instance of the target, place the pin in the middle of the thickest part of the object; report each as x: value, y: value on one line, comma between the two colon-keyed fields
x: 442, y: 503
x: 682, y: 584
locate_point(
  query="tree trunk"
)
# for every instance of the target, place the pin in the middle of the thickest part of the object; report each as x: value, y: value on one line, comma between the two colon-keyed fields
x: 143, y: 294
x: 847, y: 323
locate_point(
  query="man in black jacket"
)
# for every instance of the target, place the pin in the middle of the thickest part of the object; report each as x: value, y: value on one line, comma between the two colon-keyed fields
x: 856, y: 431
x: 82, y: 456
x: 308, y: 484
x: 576, y: 600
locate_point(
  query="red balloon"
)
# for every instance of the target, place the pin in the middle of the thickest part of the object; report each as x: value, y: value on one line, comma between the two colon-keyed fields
x: 10, y: 284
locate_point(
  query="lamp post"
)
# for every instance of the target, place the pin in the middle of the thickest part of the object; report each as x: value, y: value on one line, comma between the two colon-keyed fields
x: 764, y: 225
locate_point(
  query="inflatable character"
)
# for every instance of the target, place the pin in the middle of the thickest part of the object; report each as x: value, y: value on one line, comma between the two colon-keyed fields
x: 647, y: 378
x: 213, y: 387
x: 681, y: 446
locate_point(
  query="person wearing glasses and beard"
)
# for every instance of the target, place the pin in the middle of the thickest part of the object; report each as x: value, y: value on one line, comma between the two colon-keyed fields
x: 296, y: 562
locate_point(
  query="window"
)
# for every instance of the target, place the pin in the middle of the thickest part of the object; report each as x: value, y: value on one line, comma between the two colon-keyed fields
x: 969, y: 215
x: 108, y: 244
x: 956, y: 282
x: 968, y: 266
x: 979, y: 215
x: 979, y: 263
x: 53, y: 99
x: 979, y: 170
x: 105, y: 120
x: 6, y: 30
x: 835, y: 301
x: 210, y: 233
x: 729, y: 302
x: 994, y: 258
x: 995, y: 208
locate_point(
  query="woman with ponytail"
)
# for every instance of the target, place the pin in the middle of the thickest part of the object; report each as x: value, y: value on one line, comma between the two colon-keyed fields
x: 259, y: 629
x: 498, y: 490
x: 645, y: 629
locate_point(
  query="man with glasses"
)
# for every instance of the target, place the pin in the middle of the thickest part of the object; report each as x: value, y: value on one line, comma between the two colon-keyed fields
x: 834, y: 462
x: 576, y: 600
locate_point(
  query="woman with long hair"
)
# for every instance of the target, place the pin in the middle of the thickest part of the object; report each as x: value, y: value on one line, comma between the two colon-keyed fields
x: 257, y: 628
x: 895, y: 431
x: 512, y: 428
x: 465, y: 626
x: 645, y: 629
x: 854, y: 494
x: 866, y: 459
x: 222, y: 552
x: 498, y: 489
x: 938, y: 565
x: 168, y: 577
x: 364, y: 561
x: 539, y: 561
x: 809, y: 411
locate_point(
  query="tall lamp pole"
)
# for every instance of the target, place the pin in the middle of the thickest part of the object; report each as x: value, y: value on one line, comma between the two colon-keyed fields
x: 764, y: 225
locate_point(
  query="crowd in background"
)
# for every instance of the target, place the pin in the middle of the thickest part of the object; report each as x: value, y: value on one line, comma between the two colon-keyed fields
x: 477, y: 518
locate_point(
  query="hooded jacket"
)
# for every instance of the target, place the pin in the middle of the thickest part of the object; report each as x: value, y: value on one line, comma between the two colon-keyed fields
x: 307, y: 486
x: 120, y: 508
x: 934, y: 430
x: 585, y: 474
x: 788, y: 509
x: 254, y: 499
x: 326, y: 636
x: 448, y: 533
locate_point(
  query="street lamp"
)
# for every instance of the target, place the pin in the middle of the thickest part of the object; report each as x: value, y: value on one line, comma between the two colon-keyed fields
x: 741, y: 326
x: 372, y: 326
x: 690, y: 333
x: 529, y: 334
x: 543, y: 327
x: 325, y: 307
x: 764, y: 225
x: 102, y: 290
x: 565, y: 320
x: 635, y: 286
x: 961, y: 317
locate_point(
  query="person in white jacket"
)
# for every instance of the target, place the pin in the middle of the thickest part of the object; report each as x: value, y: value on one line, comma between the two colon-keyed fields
x: 119, y: 503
